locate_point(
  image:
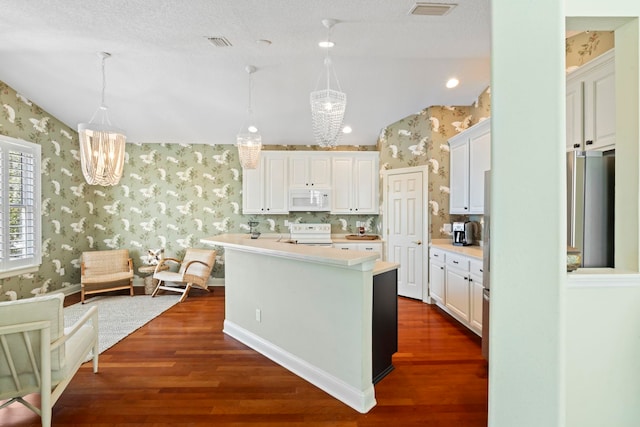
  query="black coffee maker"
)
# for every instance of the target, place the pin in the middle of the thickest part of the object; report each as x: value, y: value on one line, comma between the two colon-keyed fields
x: 462, y: 233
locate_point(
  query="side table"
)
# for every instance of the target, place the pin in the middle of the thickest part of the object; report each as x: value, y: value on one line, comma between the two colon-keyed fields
x: 149, y: 282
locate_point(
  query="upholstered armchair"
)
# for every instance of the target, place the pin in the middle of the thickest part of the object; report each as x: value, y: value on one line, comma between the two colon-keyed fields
x: 194, y: 270
x: 38, y: 355
x: 104, y: 271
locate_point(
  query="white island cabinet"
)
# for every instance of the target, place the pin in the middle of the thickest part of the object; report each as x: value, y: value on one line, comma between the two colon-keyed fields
x: 311, y: 309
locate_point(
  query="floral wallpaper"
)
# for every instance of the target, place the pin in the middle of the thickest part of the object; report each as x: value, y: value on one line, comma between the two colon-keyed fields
x: 171, y: 196
x: 422, y: 139
x: 583, y: 47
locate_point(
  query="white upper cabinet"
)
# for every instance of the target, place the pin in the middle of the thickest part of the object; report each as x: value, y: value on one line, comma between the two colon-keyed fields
x: 354, y: 183
x: 309, y: 170
x: 470, y: 157
x: 591, y: 105
x: 265, y: 190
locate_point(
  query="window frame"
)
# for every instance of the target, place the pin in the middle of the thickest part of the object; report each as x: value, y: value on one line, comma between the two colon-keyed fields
x: 32, y: 261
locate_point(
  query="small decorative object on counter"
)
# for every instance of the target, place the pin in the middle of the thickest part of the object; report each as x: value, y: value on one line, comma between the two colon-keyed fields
x: 254, y: 233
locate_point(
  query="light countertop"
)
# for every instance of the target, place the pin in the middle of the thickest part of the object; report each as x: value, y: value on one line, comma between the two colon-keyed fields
x: 383, y: 267
x: 446, y: 245
x: 273, y: 247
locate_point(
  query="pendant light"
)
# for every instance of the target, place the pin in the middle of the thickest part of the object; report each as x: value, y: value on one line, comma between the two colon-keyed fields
x: 102, y: 146
x: 328, y: 105
x: 248, y: 140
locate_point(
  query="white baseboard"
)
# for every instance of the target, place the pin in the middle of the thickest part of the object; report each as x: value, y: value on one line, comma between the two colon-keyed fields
x: 361, y: 401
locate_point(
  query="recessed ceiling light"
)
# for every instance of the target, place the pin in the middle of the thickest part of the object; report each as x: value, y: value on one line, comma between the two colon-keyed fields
x: 452, y: 82
x: 347, y: 129
x: 326, y: 44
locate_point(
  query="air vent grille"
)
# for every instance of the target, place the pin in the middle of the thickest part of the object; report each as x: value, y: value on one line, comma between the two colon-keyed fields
x: 432, y: 9
x: 219, y: 41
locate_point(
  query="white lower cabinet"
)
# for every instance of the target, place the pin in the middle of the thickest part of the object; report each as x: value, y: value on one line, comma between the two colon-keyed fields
x: 366, y: 247
x: 455, y: 285
x: 436, y: 280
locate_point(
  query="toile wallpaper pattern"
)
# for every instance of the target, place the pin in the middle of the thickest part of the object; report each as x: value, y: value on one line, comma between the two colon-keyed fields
x: 170, y: 196
x: 422, y: 139
x: 583, y: 47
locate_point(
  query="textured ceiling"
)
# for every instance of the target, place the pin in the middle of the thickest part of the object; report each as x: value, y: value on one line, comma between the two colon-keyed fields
x: 167, y: 83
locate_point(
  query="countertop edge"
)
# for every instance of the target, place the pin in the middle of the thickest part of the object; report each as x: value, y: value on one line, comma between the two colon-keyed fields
x: 470, y: 251
x: 384, y: 266
x: 279, y: 249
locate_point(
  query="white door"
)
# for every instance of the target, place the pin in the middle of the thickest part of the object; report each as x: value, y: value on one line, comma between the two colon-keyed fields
x: 405, y: 230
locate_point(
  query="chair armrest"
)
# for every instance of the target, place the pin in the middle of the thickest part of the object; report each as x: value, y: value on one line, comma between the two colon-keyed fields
x: 130, y: 265
x: 91, y: 314
x: 186, y: 269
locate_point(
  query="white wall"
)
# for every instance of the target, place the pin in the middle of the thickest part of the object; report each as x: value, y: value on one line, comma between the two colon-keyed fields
x: 528, y: 132
x: 545, y: 338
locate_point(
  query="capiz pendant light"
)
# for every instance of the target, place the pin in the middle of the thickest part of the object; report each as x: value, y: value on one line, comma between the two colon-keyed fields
x: 102, y: 146
x: 248, y: 140
x: 328, y: 105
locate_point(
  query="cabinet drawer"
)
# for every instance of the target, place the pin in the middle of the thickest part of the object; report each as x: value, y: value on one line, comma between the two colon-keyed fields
x: 476, y: 268
x: 437, y: 254
x: 458, y: 261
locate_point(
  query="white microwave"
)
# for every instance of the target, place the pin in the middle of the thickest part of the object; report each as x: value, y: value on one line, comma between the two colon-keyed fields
x: 302, y: 199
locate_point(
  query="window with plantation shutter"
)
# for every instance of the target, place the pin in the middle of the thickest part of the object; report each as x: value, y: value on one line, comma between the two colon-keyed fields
x: 20, y: 231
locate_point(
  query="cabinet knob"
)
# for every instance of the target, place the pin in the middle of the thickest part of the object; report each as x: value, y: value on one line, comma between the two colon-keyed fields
x: 465, y: 208
x: 466, y: 278
x: 576, y: 145
x: 481, y: 271
x: 589, y: 142
x: 441, y: 268
x: 455, y: 262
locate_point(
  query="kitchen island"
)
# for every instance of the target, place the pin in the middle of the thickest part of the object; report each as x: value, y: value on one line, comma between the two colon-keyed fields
x: 308, y: 308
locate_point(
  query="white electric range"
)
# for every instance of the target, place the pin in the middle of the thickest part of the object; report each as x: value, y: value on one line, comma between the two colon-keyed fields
x: 311, y: 234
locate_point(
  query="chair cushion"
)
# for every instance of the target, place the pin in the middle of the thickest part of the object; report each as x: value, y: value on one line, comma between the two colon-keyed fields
x: 168, y: 276
x: 111, y: 277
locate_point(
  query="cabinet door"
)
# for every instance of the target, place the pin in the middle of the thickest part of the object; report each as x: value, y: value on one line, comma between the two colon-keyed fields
x: 436, y: 281
x: 600, y: 107
x: 476, y: 303
x: 252, y: 189
x: 320, y: 171
x: 365, y: 185
x: 309, y: 170
x: 457, y: 293
x: 371, y: 247
x: 276, y: 190
x: 459, y: 179
x: 574, y: 115
x: 479, y: 162
x: 342, y: 184
x: 298, y: 171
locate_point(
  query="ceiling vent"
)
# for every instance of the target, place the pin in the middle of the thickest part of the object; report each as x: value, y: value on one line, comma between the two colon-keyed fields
x: 432, y: 9
x: 219, y: 41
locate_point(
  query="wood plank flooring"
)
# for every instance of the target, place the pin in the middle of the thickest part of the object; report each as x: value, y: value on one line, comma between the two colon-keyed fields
x: 180, y: 369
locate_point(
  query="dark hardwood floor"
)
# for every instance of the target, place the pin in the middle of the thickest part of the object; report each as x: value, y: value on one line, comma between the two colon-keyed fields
x: 180, y: 369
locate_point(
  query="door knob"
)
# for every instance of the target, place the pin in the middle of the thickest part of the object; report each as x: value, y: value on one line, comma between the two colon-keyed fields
x: 418, y: 242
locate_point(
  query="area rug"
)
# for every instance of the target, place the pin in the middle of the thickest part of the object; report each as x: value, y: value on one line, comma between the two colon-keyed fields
x: 119, y: 316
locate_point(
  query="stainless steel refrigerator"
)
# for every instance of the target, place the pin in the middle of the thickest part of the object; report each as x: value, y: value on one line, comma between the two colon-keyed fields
x: 590, y: 205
